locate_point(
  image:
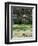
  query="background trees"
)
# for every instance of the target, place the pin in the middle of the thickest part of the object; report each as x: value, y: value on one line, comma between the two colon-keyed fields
x: 22, y: 15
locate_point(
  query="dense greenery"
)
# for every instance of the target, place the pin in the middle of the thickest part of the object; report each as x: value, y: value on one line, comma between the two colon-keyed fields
x: 20, y: 12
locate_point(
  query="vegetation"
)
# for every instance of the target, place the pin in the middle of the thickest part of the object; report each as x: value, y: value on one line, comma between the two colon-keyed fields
x: 22, y: 27
x: 21, y: 21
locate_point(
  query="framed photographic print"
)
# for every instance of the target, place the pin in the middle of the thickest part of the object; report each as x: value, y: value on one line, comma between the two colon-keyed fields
x: 20, y: 22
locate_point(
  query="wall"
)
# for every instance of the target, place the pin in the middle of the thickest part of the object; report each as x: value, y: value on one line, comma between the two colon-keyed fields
x: 2, y: 30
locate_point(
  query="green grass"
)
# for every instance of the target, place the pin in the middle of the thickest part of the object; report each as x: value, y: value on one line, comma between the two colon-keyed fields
x: 23, y: 27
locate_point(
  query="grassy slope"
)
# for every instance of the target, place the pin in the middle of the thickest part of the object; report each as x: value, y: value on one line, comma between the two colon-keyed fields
x: 22, y: 27
x: 20, y: 30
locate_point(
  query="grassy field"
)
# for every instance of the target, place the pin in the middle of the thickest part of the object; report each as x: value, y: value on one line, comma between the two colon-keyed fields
x: 22, y: 27
x: 22, y: 30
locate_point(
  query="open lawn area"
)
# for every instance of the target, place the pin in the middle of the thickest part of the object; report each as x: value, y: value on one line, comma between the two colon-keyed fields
x: 20, y: 30
x: 23, y: 27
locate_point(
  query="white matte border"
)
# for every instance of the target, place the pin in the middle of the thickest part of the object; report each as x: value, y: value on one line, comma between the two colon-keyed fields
x: 33, y: 25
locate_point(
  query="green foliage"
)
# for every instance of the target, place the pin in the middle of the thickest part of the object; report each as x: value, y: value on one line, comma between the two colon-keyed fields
x: 20, y: 12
